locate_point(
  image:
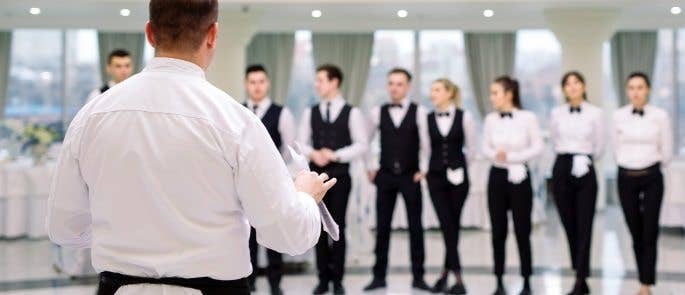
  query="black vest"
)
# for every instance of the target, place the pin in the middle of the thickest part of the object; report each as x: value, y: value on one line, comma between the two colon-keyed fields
x: 447, y: 152
x: 104, y: 88
x: 271, y: 120
x: 334, y: 136
x: 399, y: 145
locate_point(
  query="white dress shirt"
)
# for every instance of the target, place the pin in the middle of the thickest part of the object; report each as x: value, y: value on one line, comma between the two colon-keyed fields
x: 578, y: 133
x: 397, y: 115
x: 96, y: 92
x: 163, y: 175
x: 357, y: 125
x: 642, y: 141
x: 445, y: 124
x: 519, y: 136
x: 286, y: 122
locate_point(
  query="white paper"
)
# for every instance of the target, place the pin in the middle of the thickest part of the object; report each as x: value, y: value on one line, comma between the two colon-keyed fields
x: 329, y: 225
x: 455, y: 176
x: 516, y: 173
x: 581, y: 165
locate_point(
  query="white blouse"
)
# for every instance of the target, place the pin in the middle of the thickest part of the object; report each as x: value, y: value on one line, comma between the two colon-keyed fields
x: 518, y: 135
x: 640, y: 141
x: 577, y: 132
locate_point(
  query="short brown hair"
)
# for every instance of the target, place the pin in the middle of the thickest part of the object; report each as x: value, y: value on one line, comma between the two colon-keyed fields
x: 401, y: 71
x: 182, y: 24
x: 117, y: 53
x: 333, y: 72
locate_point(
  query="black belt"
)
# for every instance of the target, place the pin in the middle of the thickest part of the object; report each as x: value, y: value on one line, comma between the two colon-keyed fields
x: 568, y: 156
x: 111, y: 282
x: 656, y: 168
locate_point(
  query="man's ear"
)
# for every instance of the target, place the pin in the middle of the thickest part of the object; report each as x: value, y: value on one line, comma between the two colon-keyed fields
x: 212, y: 34
x: 149, y: 35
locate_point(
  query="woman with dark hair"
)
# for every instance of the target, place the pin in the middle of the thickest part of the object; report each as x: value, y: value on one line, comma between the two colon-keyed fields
x: 642, y: 142
x: 577, y: 136
x: 511, y: 138
x: 451, y: 129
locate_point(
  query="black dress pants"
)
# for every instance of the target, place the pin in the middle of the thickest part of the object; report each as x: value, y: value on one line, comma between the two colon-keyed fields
x: 330, y: 255
x: 111, y: 282
x: 274, y: 269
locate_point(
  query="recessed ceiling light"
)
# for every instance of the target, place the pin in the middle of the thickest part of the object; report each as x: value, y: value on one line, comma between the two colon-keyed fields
x: 316, y: 13
x: 676, y: 10
x: 34, y: 10
x: 402, y: 13
x: 488, y: 13
x: 125, y: 12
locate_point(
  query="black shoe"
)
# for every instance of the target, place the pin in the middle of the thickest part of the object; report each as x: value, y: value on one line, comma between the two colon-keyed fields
x: 457, y: 289
x: 375, y: 284
x: 421, y: 285
x: 440, y: 285
x: 338, y: 288
x: 580, y: 288
x: 320, y: 289
x: 276, y: 290
x: 526, y: 291
x: 500, y: 290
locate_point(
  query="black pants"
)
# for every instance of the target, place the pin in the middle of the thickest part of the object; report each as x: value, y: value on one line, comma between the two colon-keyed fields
x: 503, y: 197
x: 641, y: 193
x: 111, y: 282
x: 387, y: 187
x: 274, y: 270
x: 448, y: 201
x: 330, y: 255
x: 575, y: 198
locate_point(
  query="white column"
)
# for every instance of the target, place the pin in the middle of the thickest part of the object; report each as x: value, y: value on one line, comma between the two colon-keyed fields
x: 582, y: 33
x: 235, y: 32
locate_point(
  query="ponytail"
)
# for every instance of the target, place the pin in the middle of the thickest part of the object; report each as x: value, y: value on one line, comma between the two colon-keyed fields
x: 511, y: 85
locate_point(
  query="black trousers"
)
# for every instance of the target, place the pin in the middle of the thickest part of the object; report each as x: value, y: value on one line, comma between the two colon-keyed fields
x: 641, y: 193
x: 503, y: 197
x: 387, y: 187
x: 448, y: 201
x: 111, y: 282
x: 330, y: 255
x: 274, y: 269
x: 575, y: 198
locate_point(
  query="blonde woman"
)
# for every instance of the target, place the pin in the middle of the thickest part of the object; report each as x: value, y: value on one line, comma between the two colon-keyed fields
x: 450, y: 129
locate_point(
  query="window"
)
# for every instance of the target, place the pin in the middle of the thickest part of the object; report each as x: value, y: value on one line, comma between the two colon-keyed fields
x: 301, y: 93
x: 680, y: 91
x: 443, y: 56
x: 662, y: 86
x: 538, y: 69
x: 82, y: 69
x: 390, y: 49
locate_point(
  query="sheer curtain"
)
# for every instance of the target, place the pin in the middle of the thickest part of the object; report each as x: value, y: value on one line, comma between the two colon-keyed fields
x: 133, y: 42
x: 630, y: 52
x: 275, y: 52
x: 5, y: 48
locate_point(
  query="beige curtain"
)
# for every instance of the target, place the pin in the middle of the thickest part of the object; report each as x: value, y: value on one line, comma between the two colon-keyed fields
x: 275, y: 52
x: 631, y: 52
x: 5, y: 49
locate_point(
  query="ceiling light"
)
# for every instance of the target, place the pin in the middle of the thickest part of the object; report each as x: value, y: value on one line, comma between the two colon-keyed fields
x: 402, y: 13
x: 34, y: 10
x: 676, y: 10
x: 488, y: 13
x: 125, y: 12
x: 316, y: 13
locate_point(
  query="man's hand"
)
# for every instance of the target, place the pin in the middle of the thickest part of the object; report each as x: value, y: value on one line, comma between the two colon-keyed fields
x: 319, y: 158
x: 372, y: 175
x: 330, y: 155
x: 313, y: 184
x: 418, y: 176
x: 501, y: 156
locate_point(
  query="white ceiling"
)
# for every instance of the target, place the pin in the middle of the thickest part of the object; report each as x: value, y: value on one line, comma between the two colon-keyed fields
x: 344, y: 15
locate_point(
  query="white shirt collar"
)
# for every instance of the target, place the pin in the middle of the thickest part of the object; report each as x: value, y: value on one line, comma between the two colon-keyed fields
x: 264, y: 104
x: 403, y: 102
x: 338, y: 100
x: 174, y: 65
x: 451, y: 109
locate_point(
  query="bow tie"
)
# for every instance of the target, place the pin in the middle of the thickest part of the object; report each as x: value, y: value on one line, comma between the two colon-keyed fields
x: 640, y: 113
x: 574, y: 110
x: 443, y: 114
x: 395, y: 105
x: 507, y: 114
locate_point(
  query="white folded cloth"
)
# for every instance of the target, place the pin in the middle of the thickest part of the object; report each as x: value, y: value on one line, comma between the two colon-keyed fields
x: 455, y: 176
x: 517, y: 173
x: 581, y: 165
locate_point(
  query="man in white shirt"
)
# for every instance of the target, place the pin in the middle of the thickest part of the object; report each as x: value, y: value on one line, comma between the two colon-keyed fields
x: 405, y: 147
x: 333, y: 134
x: 163, y: 174
x: 119, y: 68
x: 280, y: 124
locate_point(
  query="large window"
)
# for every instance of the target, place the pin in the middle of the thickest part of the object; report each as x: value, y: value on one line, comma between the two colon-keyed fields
x: 301, y: 93
x: 538, y: 68
x: 680, y: 90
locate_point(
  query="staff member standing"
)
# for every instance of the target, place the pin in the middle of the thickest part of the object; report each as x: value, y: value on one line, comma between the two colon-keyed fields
x: 119, y: 68
x: 280, y: 125
x: 642, y: 142
x: 403, y: 163
x: 163, y: 174
x: 333, y: 134
x: 511, y: 138
x: 451, y: 130
x: 577, y: 135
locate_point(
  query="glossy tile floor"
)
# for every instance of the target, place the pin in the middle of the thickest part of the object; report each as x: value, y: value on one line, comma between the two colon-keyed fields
x: 25, y: 266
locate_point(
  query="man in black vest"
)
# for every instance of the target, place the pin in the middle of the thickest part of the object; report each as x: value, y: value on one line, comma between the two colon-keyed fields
x: 405, y: 146
x: 333, y: 134
x: 119, y: 68
x: 280, y: 124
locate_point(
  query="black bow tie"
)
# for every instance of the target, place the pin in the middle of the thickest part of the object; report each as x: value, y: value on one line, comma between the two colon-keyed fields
x: 574, y: 110
x: 507, y: 114
x: 640, y: 113
x: 443, y: 114
x: 395, y: 105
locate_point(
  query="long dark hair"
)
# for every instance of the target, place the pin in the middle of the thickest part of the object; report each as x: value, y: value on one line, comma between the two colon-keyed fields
x: 511, y: 85
x: 578, y: 76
